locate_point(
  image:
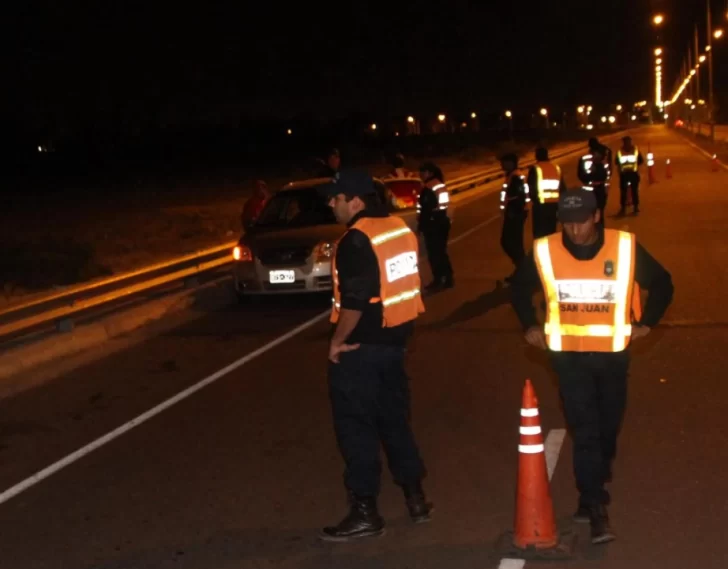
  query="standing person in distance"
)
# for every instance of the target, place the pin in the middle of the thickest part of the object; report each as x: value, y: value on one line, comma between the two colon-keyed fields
x: 433, y: 222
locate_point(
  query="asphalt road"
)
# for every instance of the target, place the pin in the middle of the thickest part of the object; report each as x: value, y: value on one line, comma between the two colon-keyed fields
x: 244, y: 472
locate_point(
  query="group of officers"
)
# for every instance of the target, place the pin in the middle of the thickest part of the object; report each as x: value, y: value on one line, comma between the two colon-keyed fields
x: 591, y: 278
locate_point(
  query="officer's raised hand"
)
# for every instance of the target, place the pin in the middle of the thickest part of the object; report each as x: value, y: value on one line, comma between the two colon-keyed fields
x: 536, y: 338
x: 640, y: 332
x: 338, y: 348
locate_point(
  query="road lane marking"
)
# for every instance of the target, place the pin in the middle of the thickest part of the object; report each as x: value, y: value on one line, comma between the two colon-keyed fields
x: 144, y: 417
x: 706, y: 154
x: 553, y: 444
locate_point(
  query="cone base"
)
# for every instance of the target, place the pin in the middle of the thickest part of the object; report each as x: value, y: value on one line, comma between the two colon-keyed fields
x: 564, y: 549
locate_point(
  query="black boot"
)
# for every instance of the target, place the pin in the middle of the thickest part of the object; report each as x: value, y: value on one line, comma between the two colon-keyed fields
x: 363, y: 520
x: 434, y: 286
x: 582, y: 514
x: 601, y: 531
x: 419, y: 508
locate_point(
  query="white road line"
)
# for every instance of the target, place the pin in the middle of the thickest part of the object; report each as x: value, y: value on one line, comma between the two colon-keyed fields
x: 553, y: 444
x: 706, y: 154
x: 144, y: 417
x: 512, y: 563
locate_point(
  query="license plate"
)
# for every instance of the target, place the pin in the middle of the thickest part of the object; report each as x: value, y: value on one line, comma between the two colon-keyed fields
x: 282, y: 277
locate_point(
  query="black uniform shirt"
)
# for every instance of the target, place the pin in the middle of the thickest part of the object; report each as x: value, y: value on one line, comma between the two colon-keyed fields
x: 359, y: 282
x: 648, y: 273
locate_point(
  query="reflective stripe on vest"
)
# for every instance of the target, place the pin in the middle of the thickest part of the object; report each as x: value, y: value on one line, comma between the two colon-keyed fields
x: 548, y: 182
x: 505, y: 198
x: 590, y: 304
x: 443, y: 196
x: 396, y: 249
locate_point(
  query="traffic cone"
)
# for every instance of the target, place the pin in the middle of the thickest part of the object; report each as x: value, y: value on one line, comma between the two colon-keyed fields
x: 668, y: 169
x: 715, y: 163
x: 535, y: 535
x: 535, y: 524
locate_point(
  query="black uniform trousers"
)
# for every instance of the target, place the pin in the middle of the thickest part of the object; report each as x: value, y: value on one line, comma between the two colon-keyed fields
x: 436, y: 234
x: 512, y: 235
x: 370, y: 400
x: 600, y: 193
x: 627, y: 179
x: 544, y: 219
x: 593, y: 388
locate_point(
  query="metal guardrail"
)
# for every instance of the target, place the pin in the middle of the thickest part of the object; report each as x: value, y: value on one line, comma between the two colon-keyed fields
x: 58, y: 307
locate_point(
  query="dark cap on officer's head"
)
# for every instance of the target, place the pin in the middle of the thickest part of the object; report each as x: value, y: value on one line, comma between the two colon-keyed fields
x: 510, y: 157
x: 627, y: 138
x: 593, y: 142
x: 577, y: 205
x: 351, y: 183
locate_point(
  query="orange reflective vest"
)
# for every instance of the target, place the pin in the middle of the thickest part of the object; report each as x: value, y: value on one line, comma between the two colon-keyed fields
x: 548, y: 182
x: 396, y: 249
x: 590, y: 304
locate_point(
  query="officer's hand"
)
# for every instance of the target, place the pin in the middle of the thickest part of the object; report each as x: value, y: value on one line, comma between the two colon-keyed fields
x: 536, y: 338
x: 336, y: 349
x: 640, y: 332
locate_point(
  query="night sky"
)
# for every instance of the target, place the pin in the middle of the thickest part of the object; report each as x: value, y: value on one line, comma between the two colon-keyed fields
x: 196, y: 62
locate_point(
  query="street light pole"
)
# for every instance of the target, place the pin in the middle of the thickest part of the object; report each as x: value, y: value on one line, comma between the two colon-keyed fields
x: 710, y: 76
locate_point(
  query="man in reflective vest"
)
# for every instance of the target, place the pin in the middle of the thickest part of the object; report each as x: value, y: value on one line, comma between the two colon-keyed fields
x: 594, y: 173
x: 376, y: 301
x: 591, y: 278
x: 629, y: 159
x: 433, y: 222
x: 514, y: 198
x: 546, y: 183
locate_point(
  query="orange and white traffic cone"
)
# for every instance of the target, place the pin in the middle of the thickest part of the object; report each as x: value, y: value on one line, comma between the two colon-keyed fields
x: 668, y: 169
x: 535, y: 535
x: 716, y: 167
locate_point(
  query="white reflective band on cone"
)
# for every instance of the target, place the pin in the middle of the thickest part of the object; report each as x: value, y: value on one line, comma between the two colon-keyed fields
x: 530, y: 449
x: 530, y: 430
x: 529, y: 412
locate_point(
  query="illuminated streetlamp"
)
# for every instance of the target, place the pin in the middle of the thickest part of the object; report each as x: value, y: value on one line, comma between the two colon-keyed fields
x: 717, y: 34
x: 612, y: 120
x: 289, y: 131
x: 658, y: 19
x: 473, y: 115
x: 509, y: 114
x: 604, y: 119
x: 580, y: 109
x: 373, y: 126
x: 658, y: 51
x: 619, y: 108
x: 441, y: 118
x: 701, y: 59
x: 411, y: 120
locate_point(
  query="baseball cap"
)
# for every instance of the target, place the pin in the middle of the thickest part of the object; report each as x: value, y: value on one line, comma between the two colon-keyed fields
x: 351, y: 183
x: 576, y: 205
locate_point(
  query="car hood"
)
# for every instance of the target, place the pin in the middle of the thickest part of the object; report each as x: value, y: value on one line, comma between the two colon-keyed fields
x: 299, y: 237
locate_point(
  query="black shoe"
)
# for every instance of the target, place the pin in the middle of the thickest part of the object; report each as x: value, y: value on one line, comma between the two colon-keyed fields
x: 420, y: 510
x: 434, y: 286
x: 601, y: 531
x: 582, y: 514
x: 363, y: 520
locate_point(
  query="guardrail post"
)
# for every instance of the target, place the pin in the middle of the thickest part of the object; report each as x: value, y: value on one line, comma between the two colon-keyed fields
x: 65, y: 325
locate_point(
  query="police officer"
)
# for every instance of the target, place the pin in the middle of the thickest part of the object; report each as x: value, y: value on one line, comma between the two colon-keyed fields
x: 629, y: 159
x: 330, y: 169
x: 545, y: 183
x: 376, y: 301
x: 398, y: 170
x: 513, y: 200
x: 593, y: 172
x: 591, y: 278
x: 433, y: 222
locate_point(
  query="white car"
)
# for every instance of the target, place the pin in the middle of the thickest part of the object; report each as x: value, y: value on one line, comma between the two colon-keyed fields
x: 289, y: 247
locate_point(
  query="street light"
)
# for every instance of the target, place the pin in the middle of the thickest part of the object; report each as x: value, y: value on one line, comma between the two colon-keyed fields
x: 612, y: 120
x: 289, y: 131
x: 544, y: 112
x: 441, y: 118
x: 658, y: 61
x: 701, y: 59
x: 411, y: 120
x: 619, y: 108
x: 509, y: 116
x: 580, y: 109
x: 717, y: 34
x: 658, y: 19
x: 604, y: 119
x: 658, y: 51
x: 373, y: 126
x: 473, y: 115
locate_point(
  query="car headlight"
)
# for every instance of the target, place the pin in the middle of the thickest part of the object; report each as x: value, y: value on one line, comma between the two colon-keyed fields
x: 324, y: 251
x: 242, y: 253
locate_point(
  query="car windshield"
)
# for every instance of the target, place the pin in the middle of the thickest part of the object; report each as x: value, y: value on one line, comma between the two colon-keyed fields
x: 296, y: 208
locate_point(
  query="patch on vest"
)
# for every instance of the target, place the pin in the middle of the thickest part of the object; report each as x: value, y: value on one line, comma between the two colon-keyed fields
x: 586, y: 291
x: 608, y: 268
x: 401, y: 266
